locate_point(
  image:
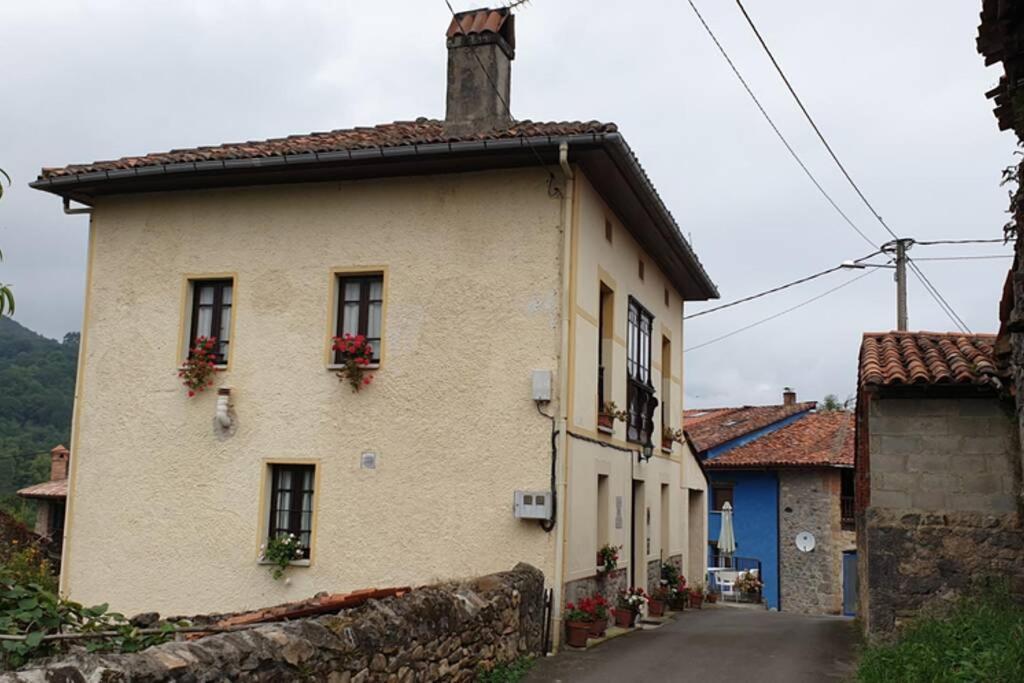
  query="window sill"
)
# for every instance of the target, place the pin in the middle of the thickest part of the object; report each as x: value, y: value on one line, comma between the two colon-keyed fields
x: 605, y: 430
x: 293, y: 563
x: 334, y: 367
x: 666, y: 451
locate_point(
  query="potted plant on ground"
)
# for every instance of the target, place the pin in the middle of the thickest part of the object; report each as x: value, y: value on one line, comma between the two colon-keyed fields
x: 680, y: 594
x: 608, y: 414
x: 697, y: 596
x: 577, y: 625
x: 608, y: 558
x: 630, y: 602
x: 712, y: 596
x: 658, y: 600
x: 597, y: 607
x: 749, y: 587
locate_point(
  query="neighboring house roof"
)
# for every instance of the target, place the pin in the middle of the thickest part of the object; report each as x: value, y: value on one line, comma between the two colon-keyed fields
x: 57, y: 488
x: 815, y: 440
x: 710, y: 427
x: 890, y: 359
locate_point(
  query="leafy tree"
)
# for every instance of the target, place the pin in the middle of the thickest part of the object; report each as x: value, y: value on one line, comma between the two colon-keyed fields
x: 832, y: 404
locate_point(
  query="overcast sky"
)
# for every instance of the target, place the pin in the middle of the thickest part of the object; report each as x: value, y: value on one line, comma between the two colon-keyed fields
x: 897, y: 87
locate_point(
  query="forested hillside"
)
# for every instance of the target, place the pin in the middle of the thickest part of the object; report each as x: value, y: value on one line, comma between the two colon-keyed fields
x: 37, y: 387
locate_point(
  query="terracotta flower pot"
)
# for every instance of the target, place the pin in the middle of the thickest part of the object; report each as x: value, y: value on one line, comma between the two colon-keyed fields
x: 598, y: 626
x: 625, y: 618
x: 656, y: 608
x: 696, y: 601
x: 605, y: 421
x: 576, y: 633
x: 712, y: 598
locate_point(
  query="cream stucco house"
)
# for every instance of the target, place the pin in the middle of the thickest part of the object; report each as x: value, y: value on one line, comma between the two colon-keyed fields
x: 474, y: 252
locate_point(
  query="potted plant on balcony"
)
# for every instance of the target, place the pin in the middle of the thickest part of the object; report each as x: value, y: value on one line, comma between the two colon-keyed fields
x: 608, y: 414
x: 608, y: 558
x: 670, y: 436
x: 197, y: 371
x: 631, y: 602
x: 697, y: 596
x: 356, y: 354
x: 597, y: 607
x: 577, y: 625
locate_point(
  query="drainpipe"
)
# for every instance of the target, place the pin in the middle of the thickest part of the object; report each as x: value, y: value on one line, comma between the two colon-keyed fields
x: 563, y: 389
x: 74, y: 212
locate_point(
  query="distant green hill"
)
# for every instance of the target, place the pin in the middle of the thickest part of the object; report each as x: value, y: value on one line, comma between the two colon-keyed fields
x: 37, y: 388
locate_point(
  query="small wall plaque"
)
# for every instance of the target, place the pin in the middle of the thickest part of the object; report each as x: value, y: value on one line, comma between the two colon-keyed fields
x: 618, y: 512
x: 368, y: 461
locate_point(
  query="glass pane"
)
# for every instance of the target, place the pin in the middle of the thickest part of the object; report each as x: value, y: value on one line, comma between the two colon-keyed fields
x: 376, y: 289
x: 225, y: 324
x: 350, y: 324
x: 373, y: 321
x: 205, y: 294
x: 226, y: 296
x: 351, y: 291
x: 375, y: 345
x: 203, y: 323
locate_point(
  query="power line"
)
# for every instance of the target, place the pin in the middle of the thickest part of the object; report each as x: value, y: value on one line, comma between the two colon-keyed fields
x: 913, y: 266
x: 781, y: 313
x: 776, y: 289
x: 963, y: 258
x: 775, y: 128
x: 933, y: 242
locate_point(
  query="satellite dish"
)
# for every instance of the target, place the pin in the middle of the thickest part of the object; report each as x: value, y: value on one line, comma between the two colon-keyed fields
x: 805, y: 541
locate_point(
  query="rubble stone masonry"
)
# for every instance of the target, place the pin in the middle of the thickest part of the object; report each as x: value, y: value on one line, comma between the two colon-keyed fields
x: 444, y: 632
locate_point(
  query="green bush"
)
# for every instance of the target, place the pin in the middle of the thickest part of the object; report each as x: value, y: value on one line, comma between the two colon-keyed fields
x: 980, y: 639
x: 513, y: 672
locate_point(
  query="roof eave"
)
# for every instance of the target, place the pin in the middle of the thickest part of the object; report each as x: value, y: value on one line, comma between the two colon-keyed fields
x: 679, y: 262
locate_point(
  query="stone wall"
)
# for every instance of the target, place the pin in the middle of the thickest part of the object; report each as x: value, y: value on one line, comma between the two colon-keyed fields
x: 608, y: 585
x: 811, y: 582
x: 444, y: 632
x: 916, y: 558
x: 942, y: 507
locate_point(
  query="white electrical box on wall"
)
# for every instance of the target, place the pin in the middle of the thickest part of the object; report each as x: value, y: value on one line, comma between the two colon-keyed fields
x: 533, y: 505
x: 541, y: 385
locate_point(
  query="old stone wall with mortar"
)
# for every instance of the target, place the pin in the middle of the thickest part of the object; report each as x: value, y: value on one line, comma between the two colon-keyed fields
x: 811, y: 582
x: 445, y: 632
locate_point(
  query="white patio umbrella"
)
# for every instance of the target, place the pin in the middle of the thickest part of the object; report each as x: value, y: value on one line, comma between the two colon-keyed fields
x: 726, y: 537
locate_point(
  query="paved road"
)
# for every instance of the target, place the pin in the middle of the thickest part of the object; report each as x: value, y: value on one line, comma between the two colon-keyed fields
x: 716, y: 644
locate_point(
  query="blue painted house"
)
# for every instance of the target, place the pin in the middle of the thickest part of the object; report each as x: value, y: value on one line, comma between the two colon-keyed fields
x: 787, y: 471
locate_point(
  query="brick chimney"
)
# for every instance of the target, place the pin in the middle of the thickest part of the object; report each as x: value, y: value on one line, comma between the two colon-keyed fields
x: 788, y: 397
x: 59, y: 460
x: 481, y: 47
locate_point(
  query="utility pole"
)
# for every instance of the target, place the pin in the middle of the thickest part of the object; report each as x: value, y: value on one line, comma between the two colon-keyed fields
x: 900, y: 247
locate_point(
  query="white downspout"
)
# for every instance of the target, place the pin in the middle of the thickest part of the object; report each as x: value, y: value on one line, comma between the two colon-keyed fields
x: 563, y: 393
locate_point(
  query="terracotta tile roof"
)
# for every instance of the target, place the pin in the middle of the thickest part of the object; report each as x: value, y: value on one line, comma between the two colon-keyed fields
x: 710, y: 427
x: 57, y: 488
x: 397, y: 134
x: 815, y: 440
x: 927, y: 358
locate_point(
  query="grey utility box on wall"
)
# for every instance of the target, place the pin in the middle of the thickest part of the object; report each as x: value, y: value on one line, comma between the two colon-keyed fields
x: 533, y: 505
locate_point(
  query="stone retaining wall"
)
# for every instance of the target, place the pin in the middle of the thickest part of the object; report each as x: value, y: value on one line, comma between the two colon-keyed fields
x: 443, y: 632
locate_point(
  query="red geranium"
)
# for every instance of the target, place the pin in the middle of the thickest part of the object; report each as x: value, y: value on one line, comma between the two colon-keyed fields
x: 356, y: 354
x: 197, y: 371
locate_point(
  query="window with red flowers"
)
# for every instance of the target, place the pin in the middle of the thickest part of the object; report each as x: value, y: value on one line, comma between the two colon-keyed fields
x: 360, y: 307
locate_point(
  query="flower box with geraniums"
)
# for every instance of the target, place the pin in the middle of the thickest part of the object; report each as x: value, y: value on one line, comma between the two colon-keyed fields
x: 597, y: 607
x: 577, y: 625
x: 355, y: 358
x: 608, y: 414
x: 279, y: 552
x: 630, y: 603
x: 608, y: 559
x: 749, y: 587
x: 197, y: 371
x: 670, y: 436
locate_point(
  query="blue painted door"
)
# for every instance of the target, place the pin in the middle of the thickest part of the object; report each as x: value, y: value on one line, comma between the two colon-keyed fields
x: 850, y: 583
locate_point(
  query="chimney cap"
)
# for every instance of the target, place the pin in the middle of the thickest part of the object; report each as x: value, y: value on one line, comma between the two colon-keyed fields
x: 482, y: 25
x: 59, y: 449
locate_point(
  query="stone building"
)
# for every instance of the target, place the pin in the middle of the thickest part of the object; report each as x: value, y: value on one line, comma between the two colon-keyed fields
x: 512, y: 279
x: 938, y: 473
x: 787, y: 472
x: 50, y: 497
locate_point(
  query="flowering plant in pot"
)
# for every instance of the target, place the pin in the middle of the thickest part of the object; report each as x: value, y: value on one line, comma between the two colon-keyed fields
x: 608, y: 414
x: 697, y: 596
x: 631, y: 601
x: 658, y: 600
x: 356, y: 354
x: 197, y: 371
x: 281, y: 551
x: 608, y: 558
x: 577, y: 625
x: 670, y: 436
x: 597, y: 607
x: 749, y: 586
x: 712, y: 596
x: 680, y: 594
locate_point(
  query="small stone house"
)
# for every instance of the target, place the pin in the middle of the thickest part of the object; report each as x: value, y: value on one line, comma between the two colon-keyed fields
x: 512, y: 279
x: 938, y: 475
x: 787, y: 472
x: 50, y: 497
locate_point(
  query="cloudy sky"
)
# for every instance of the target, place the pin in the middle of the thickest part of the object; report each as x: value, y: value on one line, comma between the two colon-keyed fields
x: 897, y: 87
